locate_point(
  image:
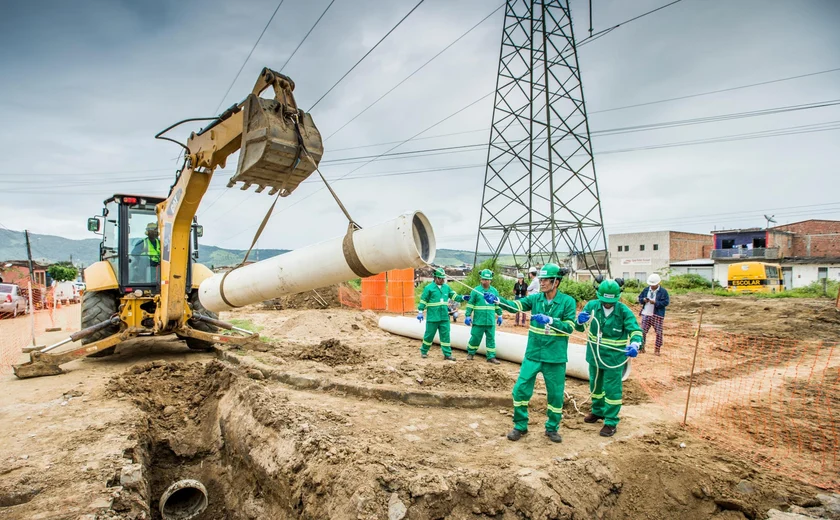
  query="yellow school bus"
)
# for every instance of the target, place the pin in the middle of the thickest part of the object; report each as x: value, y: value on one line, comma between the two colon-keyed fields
x: 752, y: 277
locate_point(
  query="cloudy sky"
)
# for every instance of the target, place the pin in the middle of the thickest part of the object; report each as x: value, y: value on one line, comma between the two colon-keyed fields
x: 86, y: 85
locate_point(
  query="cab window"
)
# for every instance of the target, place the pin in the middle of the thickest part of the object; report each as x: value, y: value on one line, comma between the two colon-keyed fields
x: 143, y: 246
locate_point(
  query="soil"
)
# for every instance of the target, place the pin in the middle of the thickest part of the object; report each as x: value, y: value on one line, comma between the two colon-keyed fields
x: 790, y: 318
x: 321, y: 298
x: 267, y: 448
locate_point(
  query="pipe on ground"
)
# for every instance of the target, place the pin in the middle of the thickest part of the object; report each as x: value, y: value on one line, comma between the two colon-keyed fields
x: 510, y: 347
x: 406, y: 241
x: 183, y: 500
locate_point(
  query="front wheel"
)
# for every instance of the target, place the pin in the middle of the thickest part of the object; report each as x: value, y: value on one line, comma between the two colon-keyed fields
x: 97, y: 307
x: 197, y: 307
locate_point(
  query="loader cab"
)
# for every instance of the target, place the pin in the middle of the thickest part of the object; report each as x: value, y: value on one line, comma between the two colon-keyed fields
x: 131, y: 242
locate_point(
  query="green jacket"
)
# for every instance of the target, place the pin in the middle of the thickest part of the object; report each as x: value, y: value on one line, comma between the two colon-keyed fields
x: 551, y: 347
x: 617, y: 331
x: 436, y: 299
x: 483, y: 313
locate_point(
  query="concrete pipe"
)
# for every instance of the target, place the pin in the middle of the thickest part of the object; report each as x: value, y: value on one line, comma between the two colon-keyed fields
x: 183, y: 500
x: 510, y: 347
x: 407, y: 241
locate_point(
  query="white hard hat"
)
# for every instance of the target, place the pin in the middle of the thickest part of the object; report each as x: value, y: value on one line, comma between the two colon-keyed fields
x: 533, y: 269
x: 654, y: 279
x: 520, y: 275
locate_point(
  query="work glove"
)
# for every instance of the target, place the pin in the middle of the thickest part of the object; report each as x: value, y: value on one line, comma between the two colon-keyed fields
x: 542, y: 319
x: 583, y: 317
x: 420, y: 316
x: 491, y: 298
x: 499, y: 321
x: 468, y: 321
x: 632, y: 350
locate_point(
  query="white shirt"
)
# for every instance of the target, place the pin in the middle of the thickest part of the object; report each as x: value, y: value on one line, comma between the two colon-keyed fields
x: 648, y: 308
x: 608, y: 310
x: 534, y: 286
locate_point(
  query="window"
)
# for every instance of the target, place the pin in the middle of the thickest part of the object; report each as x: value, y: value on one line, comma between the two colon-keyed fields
x: 627, y: 248
x: 771, y: 272
x: 727, y: 244
x: 656, y: 247
x: 822, y: 273
x: 642, y: 277
x: 642, y: 247
x: 625, y: 275
x: 144, y: 254
x: 619, y: 249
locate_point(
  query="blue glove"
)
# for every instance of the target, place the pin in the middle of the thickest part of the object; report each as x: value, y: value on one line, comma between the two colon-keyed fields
x: 542, y: 319
x: 499, y: 321
x: 420, y: 316
x: 466, y: 297
x: 491, y: 298
x: 468, y: 321
x: 583, y: 317
x: 632, y: 350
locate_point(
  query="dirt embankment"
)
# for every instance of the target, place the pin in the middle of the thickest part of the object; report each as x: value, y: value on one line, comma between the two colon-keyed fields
x: 789, y: 318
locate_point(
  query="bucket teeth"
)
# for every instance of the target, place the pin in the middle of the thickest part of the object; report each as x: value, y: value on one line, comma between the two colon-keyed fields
x: 36, y: 369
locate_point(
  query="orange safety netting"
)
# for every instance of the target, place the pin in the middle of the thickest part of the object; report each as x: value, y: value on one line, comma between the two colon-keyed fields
x: 392, y: 291
x: 773, y: 401
x: 20, y: 320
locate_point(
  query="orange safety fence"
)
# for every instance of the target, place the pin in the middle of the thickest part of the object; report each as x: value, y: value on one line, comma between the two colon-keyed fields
x: 20, y: 320
x: 349, y: 297
x: 373, y: 292
x: 773, y: 401
x: 392, y: 291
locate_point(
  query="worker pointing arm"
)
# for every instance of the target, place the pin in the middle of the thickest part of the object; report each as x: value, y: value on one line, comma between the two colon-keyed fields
x: 547, y: 352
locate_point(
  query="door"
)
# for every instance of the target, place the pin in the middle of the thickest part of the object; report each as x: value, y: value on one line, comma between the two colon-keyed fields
x: 787, y: 276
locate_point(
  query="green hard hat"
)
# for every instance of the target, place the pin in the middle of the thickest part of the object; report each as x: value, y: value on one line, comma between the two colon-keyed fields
x: 440, y: 273
x: 609, y: 291
x: 486, y: 274
x: 551, y: 271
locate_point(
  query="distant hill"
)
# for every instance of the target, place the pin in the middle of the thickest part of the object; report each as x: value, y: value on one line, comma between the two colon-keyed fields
x: 50, y: 248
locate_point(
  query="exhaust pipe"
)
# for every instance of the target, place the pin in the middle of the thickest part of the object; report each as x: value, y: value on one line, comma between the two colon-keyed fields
x: 406, y: 241
x: 183, y: 500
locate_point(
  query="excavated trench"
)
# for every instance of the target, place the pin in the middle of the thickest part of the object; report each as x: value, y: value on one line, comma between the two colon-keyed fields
x: 263, y: 450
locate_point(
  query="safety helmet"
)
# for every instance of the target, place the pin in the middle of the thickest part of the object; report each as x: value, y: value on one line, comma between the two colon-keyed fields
x: 520, y: 275
x: 151, y: 226
x: 440, y: 273
x: 552, y: 271
x: 533, y: 270
x: 609, y: 291
x: 486, y: 274
x: 654, y: 279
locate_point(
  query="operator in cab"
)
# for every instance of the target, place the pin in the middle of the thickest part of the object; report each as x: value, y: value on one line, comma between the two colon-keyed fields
x: 149, y: 246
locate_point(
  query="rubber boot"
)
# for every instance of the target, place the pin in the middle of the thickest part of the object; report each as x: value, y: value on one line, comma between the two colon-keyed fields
x: 607, y: 431
x: 553, y: 436
x: 449, y: 358
x: 493, y: 361
x: 470, y: 357
x: 515, y: 435
x: 592, y: 418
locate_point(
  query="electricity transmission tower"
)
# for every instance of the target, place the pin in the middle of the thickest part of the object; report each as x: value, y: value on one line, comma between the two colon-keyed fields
x: 540, y: 196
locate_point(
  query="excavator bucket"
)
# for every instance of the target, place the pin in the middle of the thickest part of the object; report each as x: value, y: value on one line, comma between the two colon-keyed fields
x: 280, y: 147
x: 36, y: 367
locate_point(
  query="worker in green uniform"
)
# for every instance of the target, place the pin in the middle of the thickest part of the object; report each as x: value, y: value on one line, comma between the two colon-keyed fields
x: 614, y: 335
x: 435, y: 300
x: 483, y: 318
x: 552, y: 321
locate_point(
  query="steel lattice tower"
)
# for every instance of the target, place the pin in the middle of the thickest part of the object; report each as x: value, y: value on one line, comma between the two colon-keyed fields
x: 540, y: 195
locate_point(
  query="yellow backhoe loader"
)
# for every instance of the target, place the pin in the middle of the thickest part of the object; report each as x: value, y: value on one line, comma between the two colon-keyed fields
x: 147, y: 278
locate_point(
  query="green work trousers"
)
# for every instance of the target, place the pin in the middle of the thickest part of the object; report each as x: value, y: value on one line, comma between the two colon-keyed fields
x: 605, y: 387
x: 431, y: 328
x: 555, y: 383
x: 476, y: 332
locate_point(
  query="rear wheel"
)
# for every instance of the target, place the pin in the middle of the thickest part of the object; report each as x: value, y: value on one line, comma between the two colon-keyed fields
x: 97, y: 307
x: 197, y: 307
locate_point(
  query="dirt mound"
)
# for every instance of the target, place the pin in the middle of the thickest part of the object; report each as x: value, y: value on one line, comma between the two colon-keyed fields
x: 331, y: 352
x: 471, y: 375
x: 321, y: 298
x: 794, y: 318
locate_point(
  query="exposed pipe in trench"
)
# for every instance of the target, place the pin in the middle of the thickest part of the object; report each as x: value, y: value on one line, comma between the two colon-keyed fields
x: 183, y: 500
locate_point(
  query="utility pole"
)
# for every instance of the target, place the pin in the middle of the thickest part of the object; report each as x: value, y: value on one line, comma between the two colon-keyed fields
x: 29, y: 255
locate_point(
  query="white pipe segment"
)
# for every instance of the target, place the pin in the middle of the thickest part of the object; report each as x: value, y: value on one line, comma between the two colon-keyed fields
x: 406, y: 241
x: 510, y: 347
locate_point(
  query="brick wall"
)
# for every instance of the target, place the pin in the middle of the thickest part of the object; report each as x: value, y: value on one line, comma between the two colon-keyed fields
x: 783, y: 240
x: 690, y: 246
x: 814, y: 238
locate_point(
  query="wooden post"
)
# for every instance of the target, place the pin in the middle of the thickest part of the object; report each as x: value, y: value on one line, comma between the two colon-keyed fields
x: 693, y: 362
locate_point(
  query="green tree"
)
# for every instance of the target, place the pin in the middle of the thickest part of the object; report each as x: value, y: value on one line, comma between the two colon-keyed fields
x: 62, y: 271
x: 503, y: 285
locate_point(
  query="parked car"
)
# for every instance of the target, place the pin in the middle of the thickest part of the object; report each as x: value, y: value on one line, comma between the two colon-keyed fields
x: 66, y: 292
x: 12, y: 300
x: 80, y: 288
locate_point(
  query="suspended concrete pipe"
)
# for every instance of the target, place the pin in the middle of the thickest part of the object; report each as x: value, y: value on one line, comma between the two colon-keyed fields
x: 510, y: 347
x: 183, y: 500
x: 406, y: 241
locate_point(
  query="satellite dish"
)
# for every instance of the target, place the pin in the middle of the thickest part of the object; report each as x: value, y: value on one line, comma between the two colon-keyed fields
x: 770, y: 219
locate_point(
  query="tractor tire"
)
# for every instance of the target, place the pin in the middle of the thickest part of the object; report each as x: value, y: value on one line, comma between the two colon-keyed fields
x: 196, y: 306
x: 97, y: 307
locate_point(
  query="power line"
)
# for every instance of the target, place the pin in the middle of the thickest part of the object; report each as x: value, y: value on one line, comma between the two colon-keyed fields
x: 715, y: 91
x: 248, y: 57
x: 380, y: 98
x: 366, y: 55
x: 603, y: 32
x: 307, y: 35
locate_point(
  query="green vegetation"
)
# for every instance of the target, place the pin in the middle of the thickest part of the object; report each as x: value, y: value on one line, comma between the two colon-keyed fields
x: 245, y: 324
x: 503, y: 285
x: 62, y: 272
x: 355, y: 283
x: 815, y: 290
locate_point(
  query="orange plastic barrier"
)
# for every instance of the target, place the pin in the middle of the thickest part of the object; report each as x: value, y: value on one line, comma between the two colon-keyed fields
x: 400, y: 291
x: 373, y: 292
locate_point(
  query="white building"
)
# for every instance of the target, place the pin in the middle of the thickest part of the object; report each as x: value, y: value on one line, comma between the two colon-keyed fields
x: 637, y: 255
